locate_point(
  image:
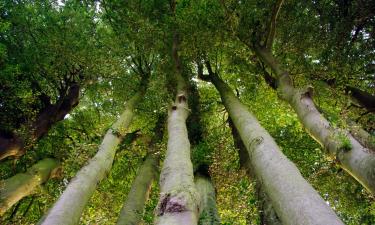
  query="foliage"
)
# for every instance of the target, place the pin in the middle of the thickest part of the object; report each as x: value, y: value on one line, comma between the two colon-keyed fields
x: 323, y: 43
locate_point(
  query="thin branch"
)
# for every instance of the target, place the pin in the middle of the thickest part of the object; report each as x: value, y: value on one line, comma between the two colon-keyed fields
x: 270, y: 80
x: 272, y: 24
x: 209, y: 68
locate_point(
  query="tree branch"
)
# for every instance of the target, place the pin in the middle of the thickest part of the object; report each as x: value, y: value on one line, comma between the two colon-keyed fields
x: 202, y: 76
x: 270, y: 80
x: 272, y: 24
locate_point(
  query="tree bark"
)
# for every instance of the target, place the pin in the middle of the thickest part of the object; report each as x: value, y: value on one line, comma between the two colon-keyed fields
x: 23, y: 184
x: 68, y: 208
x: 207, y: 207
x: 293, y: 199
x: 132, y: 211
x: 351, y: 155
x: 13, y: 145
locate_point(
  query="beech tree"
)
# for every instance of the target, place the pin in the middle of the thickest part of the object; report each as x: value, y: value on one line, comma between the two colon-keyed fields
x: 263, y: 151
x: 283, y: 132
x: 132, y: 210
x: 208, y: 210
x: 352, y: 155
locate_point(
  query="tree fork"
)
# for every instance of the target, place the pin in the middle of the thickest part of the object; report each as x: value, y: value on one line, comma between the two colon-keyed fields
x: 350, y: 154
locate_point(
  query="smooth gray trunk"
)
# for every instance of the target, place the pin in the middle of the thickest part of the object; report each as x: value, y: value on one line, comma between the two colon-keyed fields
x: 132, y: 211
x: 207, y: 207
x: 69, y: 207
x: 339, y: 144
x: 178, y: 197
x: 292, y: 197
x: 178, y: 202
x: 23, y: 184
x: 268, y: 215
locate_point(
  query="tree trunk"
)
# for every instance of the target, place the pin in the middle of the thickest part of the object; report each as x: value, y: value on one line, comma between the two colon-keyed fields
x: 267, y: 213
x: 68, y: 208
x: 293, y: 199
x: 13, y: 145
x: 23, y: 184
x: 207, y: 207
x: 352, y: 156
x: 10, y: 145
x: 178, y: 202
x: 132, y: 211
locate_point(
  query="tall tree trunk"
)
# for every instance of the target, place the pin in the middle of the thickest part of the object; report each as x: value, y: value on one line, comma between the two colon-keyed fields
x: 267, y: 213
x: 13, y: 145
x: 207, y: 207
x: 293, y: 199
x: 23, y: 184
x: 132, y: 211
x: 68, y: 208
x: 178, y: 202
x: 352, y: 156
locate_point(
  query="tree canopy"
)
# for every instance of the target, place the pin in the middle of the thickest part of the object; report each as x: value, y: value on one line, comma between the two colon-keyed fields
x: 69, y: 68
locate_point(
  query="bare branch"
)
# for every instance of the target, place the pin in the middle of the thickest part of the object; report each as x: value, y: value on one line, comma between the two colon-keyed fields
x: 209, y: 68
x: 202, y: 76
x: 272, y: 24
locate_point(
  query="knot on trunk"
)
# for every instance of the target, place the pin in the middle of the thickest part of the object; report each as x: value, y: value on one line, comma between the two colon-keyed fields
x: 255, y: 142
x: 181, y: 98
x: 307, y: 92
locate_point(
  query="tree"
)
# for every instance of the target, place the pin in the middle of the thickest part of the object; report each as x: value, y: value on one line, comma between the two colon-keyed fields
x: 268, y: 214
x: 107, y: 45
x: 178, y: 201
x: 207, y: 206
x: 273, y: 168
x: 339, y: 144
x: 132, y: 210
x: 45, y: 65
x: 80, y: 189
x: 23, y: 184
